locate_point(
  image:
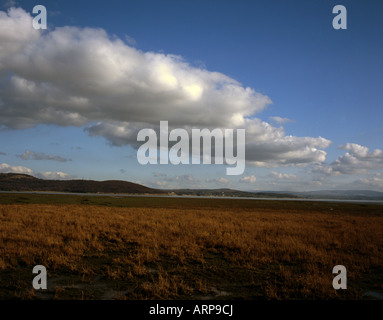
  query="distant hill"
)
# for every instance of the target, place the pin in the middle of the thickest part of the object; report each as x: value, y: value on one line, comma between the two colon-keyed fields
x: 322, y: 194
x: 342, y: 194
x: 230, y: 193
x: 24, y: 182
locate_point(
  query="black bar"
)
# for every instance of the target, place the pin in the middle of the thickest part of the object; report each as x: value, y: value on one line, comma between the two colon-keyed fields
x: 259, y: 309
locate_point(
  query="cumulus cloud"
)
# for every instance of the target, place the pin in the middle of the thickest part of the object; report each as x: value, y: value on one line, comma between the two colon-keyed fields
x: 362, y: 152
x: 30, y: 155
x: 2, y: 153
x: 53, y: 175
x: 222, y: 180
x: 285, y: 176
x: 268, y: 146
x: 184, y: 177
x: 248, y: 179
x: 357, y: 160
x: 161, y: 183
x: 83, y: 77
x: 6, y: 168
x: 176, y: 181
x: 376, y: 181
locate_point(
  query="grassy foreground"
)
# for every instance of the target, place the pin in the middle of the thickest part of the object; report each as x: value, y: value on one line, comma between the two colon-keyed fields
x: 165, y: 248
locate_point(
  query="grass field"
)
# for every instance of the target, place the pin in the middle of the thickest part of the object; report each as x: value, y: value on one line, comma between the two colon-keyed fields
x: 180, y: 248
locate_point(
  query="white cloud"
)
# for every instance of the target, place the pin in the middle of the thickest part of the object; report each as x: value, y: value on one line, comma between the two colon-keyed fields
x: 321, y: 168
x: 161, y: 183
x: 285, y: 176
x: 184, y: 177
x: 53, y: 175
x: 268, y: 146
x: 376, y: 181
x: 358, y: 160
x: 217, y: 181
x: 173, y: 182
x: 6, y: 168
x: 281, y: 120
x: 72, y: 76
x: 84, y: 75
x: 361, y: 152
x: 222, y: 180
x: 248, y: 179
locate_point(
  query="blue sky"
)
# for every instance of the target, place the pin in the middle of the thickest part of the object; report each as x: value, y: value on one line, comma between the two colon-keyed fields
x: 313, y: 117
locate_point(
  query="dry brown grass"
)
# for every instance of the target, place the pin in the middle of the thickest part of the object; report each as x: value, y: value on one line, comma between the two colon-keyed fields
x: 170, y: 253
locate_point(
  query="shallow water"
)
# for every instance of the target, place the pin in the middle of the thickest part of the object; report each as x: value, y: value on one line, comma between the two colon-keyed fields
x: 198, y: 197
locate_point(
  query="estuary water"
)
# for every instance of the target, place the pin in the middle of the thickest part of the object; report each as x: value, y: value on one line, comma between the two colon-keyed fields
x: 198, y: 197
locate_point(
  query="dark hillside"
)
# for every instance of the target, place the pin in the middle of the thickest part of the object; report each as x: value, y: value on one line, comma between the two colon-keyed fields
x: 23, y: 182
